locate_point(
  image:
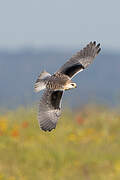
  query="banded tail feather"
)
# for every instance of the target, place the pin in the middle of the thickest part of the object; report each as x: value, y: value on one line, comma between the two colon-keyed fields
x: 41, y: 82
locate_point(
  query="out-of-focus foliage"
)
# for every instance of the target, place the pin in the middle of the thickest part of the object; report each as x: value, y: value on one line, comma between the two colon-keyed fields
x: 84, y: 145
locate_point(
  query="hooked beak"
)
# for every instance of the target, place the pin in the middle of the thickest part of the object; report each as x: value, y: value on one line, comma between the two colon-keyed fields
x: 70, y: 86
x: 75, y: 86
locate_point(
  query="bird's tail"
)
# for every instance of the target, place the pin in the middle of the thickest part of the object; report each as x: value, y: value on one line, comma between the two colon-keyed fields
x: 41, y: 82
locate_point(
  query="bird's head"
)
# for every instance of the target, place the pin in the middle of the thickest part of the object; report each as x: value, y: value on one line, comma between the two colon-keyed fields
x: 70, y: 85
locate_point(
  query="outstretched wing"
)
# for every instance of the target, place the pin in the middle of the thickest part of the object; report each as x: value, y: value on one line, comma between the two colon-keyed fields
x: 80, y: 60
x: 49, y: 109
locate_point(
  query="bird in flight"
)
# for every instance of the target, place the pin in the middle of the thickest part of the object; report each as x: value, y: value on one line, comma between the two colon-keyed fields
x: 54, y: 85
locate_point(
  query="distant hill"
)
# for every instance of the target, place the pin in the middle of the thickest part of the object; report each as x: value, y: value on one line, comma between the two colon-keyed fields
x: 99, y: 83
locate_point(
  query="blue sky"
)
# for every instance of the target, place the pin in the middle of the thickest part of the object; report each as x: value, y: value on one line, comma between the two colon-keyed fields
x: 59, y: 23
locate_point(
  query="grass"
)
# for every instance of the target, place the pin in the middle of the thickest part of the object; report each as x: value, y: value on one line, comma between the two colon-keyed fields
x: 85, y: 145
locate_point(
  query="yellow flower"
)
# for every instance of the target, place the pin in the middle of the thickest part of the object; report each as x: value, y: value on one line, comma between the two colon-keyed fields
x: 1, y: 176
x: 3, y: 124
x: 90, y: 131
x: 117, y: 167
x: 72, y: 137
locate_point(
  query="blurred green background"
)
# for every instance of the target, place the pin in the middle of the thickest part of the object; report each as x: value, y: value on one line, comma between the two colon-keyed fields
x: 84, y: 145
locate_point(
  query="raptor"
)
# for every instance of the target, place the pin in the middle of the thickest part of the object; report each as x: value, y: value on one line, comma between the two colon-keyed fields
x: 54, y: 85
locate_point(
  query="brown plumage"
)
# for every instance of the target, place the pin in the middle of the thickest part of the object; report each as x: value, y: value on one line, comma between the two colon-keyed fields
x: 53, y: 84
x: 56, y: 84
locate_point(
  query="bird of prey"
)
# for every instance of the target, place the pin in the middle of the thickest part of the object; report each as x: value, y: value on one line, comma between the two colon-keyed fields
x: 56, y: 84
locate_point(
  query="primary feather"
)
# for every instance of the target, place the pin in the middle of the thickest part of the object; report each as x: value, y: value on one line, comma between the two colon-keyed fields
x: 49, y: 109
x: 80, y: 60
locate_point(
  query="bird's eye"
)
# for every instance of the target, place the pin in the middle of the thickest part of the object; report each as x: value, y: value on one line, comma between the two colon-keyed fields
x: 72, y: 84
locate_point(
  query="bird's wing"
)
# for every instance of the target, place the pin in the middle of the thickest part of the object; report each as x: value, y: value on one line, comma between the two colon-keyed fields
x: 80, y: 60
x: 49, y: 109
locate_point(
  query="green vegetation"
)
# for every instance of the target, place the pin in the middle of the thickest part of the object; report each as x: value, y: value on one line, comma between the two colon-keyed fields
x: 84, y: 146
